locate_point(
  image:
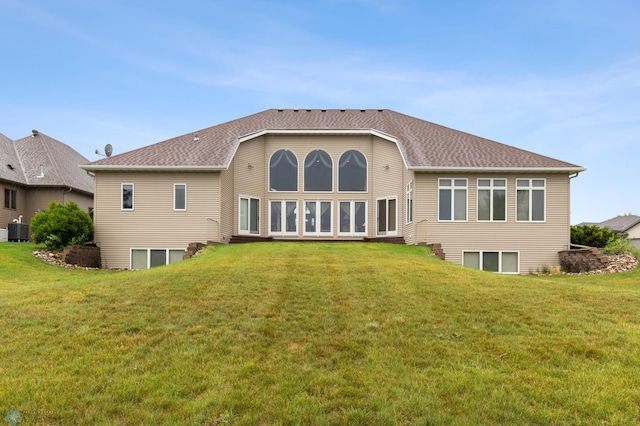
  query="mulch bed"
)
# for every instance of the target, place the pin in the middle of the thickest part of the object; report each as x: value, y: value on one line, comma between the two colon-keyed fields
x: 616, y: 263
x: 55, y: 258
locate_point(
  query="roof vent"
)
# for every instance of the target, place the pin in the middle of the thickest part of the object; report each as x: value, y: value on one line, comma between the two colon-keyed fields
x: 195, y: 137
x: 35, y: 133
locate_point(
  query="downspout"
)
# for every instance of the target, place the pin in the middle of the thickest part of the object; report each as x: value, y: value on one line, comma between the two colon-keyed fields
x: 572, y: 176
x: 66, y: 192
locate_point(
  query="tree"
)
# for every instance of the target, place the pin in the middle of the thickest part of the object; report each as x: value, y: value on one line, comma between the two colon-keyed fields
x: 61, y: 225
x: 593, y: 235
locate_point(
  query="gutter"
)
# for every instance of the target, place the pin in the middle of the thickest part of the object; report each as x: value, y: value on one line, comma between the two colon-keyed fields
x: 121, y: 168
x: 572, y: 170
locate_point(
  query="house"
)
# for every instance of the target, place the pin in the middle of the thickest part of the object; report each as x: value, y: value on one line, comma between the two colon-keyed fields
x: 35, y: 171
x: 628, y: 224
x: 315, y: 174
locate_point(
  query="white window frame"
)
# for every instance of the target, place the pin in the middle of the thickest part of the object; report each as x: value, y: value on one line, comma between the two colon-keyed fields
x: 318, y: 219
x: 133, y: 192
x: 304, y: 174
x: 491, y: 188
x: 283, y: 218
x: 452, y: 187
x: 386, y: 231
x: 500, y: 257
x: 352, y: 211
x: 248, y: 230
x: 530, y: 188
x: 148, y: 254
x: 270, y: 189
x: 409, y: 203
x: 175, y: 199
x: 366, y: 168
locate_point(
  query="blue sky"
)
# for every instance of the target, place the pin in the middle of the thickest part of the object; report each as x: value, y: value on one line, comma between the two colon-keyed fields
x: 557, y: 77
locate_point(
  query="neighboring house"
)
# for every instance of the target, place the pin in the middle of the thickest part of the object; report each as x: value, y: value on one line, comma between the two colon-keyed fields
x: 629, y: 224
x: 334, y: 175
x: 37, y: 170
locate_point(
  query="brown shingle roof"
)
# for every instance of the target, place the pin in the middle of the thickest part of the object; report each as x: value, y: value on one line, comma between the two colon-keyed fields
x: 423, y: 145
x: 59, y: 163
x: 11, y: 168
x: 620, y: 223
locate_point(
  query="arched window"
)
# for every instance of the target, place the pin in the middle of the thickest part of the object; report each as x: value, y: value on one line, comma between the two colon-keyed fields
x: 318, y: 171
x: 352, y: 173
x: 283, y: 171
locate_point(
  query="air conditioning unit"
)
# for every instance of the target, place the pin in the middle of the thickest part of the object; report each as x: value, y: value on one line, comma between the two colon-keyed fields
x: 18, y: 232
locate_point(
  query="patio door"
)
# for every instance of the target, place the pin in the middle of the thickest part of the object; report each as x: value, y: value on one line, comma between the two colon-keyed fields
x: 387, y: 216
x: 249, y: 220
x: 353, y: 218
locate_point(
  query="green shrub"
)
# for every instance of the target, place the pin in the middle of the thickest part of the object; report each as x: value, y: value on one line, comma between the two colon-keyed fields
x: 592, y: 235
x: 618, y: 245
x: 61, y: 225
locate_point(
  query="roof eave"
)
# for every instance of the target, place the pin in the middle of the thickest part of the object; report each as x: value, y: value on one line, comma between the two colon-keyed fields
x: 441, y: 169
x: 156, y: 168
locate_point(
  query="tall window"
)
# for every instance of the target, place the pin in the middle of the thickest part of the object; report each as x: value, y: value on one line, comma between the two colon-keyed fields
x: 283, y: 171
x: 10, y: 198
x: 387, y: 214
x: 452, y: 200
x: 492, y: 196
x: 506, y: 262
x: 127, y: 196
x: 353, y: 218
x: 283, y: 217
x: 352, y: 172
x: 410, y: 202
x: 317, y: 217
x: 180, y: 196
x: 249, y: 220
x: 530, y: 200
x: 318, y: 171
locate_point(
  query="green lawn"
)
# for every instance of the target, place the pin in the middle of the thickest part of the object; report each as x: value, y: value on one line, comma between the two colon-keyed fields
x: 287, y: 333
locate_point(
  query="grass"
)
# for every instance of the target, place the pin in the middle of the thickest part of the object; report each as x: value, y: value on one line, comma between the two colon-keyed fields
x: 286, y: 333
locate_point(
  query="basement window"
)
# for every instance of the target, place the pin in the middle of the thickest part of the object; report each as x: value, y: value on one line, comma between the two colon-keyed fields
x: 505, y: 262
x: 150, y: 258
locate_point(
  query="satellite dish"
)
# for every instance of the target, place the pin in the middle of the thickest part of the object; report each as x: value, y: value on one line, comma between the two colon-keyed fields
x: 108, y: 150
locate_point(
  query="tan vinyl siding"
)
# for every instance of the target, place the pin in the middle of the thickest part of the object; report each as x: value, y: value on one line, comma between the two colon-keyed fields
x: 386, y: 176
x: 408, y: 229
x: 226, y: 198
x: 39, y: 198
x: 634, y: 232
x: 253, y: 181
x: 8, y: 215
x: 249, y: 177
x: 153, y: 223
x: 31, y: 200
x: 537, y: 243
